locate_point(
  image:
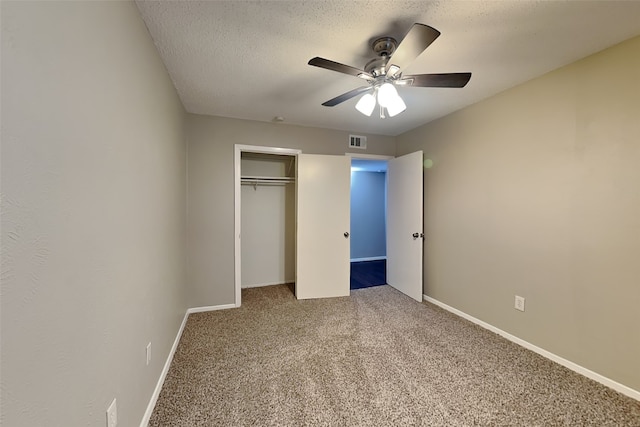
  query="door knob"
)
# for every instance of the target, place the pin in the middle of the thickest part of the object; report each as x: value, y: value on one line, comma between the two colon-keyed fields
x: 346, y: 234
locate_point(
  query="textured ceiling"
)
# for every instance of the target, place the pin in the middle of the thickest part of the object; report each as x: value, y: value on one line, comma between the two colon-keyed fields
x: 248, y: 59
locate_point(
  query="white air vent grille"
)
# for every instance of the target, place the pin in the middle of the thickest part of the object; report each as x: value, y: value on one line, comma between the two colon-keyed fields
x: 357, y: 141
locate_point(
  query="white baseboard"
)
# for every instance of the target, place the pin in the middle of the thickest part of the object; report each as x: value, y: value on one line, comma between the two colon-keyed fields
x: 163, y: 375
x: 210, y: 308
x: 371, y: 258
x: 628, y: 391
x: 260, y: 285
x: 167, y: 363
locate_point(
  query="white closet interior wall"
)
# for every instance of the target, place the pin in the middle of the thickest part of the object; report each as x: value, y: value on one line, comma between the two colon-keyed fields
x: 267, y: 221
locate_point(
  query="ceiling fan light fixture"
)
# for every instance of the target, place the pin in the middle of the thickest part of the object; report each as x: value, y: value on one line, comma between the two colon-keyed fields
x: 366, y: 104
x: 386, y: 94
x: 388, y: 98
x: 396, y: 106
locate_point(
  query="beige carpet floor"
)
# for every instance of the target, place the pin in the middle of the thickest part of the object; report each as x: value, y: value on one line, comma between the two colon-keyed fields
x: 377, y: 358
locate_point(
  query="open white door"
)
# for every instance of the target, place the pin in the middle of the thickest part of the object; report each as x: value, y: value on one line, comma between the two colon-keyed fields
x: 404, y: 224
x: 322, y: 249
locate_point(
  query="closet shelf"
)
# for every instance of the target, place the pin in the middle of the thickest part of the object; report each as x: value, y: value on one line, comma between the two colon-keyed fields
x: 268, y: 180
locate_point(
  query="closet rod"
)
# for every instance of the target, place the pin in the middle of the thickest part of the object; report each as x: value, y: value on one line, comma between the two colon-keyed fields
x: 267, y: 178
x: 267, y: 182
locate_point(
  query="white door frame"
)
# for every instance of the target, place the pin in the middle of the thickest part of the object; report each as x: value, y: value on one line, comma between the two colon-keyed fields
x: 368, y: 156
x: 238, y: 150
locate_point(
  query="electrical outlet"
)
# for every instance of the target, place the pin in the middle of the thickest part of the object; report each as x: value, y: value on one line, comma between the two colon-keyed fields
x: 112, y: 414
x: 148, y: 354
x: 519, y: 303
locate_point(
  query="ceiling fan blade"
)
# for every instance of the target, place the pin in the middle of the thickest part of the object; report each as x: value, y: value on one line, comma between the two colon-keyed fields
x: 346, y: 96
x: 418, y: 38
x: 436, y: 80
x: 340, y: 68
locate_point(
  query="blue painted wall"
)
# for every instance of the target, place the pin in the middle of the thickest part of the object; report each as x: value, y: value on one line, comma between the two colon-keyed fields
x: 368, y: 221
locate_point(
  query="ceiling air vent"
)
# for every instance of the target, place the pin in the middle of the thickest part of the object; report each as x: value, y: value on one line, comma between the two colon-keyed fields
x: 357, y: 141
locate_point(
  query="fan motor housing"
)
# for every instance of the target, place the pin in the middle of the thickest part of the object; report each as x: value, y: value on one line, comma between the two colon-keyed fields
x: 376, y: 67
x: 384, y: 48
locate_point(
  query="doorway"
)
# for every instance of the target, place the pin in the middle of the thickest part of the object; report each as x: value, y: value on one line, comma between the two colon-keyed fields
x: 368, y: 254
x: 265, y: 213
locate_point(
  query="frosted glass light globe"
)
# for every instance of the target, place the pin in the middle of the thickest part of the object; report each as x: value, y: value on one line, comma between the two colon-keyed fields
x: 386, y: 94
x: 366, y: 104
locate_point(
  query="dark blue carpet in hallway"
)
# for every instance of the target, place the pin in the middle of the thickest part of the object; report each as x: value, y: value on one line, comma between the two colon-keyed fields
x: 365, y: 274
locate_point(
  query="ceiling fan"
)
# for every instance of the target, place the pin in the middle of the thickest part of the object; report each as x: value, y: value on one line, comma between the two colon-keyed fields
x: 385, y: 72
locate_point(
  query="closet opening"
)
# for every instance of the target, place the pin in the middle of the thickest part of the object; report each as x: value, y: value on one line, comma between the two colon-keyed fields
x: 368, y: 222
x: 265, y: 218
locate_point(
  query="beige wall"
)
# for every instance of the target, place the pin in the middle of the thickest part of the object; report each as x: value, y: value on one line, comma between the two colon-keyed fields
x: 93, y: 196
x: 536, y: 192
x: 211, y: 201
